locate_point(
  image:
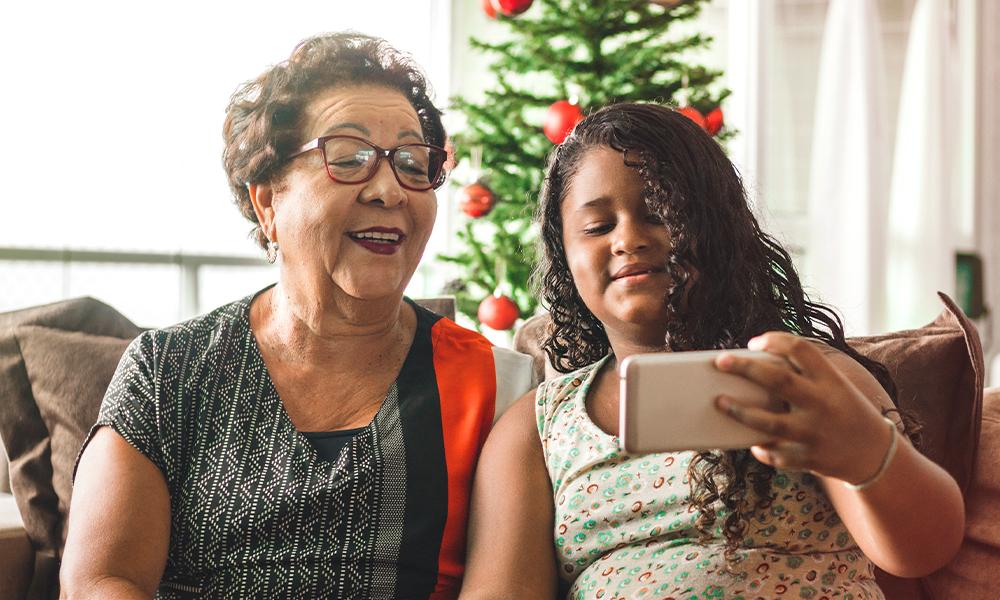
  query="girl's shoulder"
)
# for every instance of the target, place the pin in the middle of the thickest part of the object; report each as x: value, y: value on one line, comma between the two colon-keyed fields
x: 564, y: 384
x: 564, y: 395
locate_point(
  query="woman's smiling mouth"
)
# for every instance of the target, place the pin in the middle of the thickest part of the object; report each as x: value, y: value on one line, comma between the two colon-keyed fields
x: 380, y: 240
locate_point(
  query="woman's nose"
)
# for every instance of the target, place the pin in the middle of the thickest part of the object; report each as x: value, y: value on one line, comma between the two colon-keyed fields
x: 383, y: 188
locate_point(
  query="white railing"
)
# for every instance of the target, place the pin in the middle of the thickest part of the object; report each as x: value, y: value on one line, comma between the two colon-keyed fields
x: 188, y: 266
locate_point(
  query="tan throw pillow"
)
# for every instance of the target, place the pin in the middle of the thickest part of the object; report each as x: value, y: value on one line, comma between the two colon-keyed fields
x: 23, y: 431
x: 938, y: 370
x: 69, y: 372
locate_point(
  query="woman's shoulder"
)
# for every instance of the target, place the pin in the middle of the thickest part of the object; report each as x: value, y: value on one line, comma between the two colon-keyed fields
x: 513, y: 371
x: 232, y: 315
x: 192, y: 340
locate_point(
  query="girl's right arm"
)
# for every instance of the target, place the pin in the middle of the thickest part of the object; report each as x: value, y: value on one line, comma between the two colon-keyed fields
x: 511, y: 553
x: 119, y: 523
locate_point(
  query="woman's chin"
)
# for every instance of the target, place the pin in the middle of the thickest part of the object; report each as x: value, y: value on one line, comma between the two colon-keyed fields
x: 381, y: 288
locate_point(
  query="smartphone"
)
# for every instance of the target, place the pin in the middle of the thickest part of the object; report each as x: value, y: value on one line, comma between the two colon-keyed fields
x: 668, y: 402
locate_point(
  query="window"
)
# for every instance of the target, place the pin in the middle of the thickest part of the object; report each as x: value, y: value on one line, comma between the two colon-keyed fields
x: 84, y: 80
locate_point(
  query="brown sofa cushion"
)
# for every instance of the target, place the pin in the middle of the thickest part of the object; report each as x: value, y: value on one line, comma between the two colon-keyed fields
x: 66, y: 386
x: 938, y: 370
x: 69, y: 372
x: 972, y: 573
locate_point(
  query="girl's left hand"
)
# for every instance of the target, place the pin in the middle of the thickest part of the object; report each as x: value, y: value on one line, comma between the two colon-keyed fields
x: 831, y: 429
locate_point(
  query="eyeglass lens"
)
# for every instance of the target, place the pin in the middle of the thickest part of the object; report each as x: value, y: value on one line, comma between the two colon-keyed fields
x: 352, y: 161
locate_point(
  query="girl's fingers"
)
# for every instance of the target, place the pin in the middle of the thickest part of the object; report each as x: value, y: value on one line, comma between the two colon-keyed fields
x: 801, y: 352
x: 777, y: 377
x: 787, y: 456
x: 781, y: 426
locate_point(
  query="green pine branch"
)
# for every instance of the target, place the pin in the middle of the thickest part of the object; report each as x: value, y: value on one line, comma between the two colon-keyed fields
x: 602, y: 51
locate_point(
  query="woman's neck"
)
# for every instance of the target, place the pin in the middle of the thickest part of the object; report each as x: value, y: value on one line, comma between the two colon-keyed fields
x: 320, y: 328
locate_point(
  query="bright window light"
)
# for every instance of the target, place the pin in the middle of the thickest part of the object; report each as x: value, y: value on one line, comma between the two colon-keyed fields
x: 111, y: 113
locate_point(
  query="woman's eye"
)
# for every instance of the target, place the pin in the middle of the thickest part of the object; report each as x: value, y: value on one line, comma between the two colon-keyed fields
x: 349, y: 162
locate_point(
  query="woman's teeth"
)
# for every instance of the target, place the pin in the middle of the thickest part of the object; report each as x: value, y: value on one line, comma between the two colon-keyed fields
x: 376, y: 236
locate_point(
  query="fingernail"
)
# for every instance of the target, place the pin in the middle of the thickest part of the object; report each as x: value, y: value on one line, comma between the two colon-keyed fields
x: 724, y: 361
x: 723, y: 403
x: 756, y: 343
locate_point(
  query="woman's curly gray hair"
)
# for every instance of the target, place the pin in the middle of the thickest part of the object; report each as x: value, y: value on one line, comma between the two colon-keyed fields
x: 263, y: 117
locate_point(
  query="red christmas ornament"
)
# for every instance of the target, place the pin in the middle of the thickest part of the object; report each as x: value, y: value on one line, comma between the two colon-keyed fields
x: 476, y: 200
x: 693, y: 114
x: 489, y: 9
x: 511, y: 7
x: 714, y: 121
x: 498, y: 312
x: 560, y: 120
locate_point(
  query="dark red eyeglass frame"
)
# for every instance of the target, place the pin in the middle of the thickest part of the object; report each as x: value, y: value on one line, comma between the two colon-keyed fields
x: 380, y: 153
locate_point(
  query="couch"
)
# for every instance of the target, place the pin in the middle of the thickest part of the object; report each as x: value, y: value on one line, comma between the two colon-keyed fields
x: 939, y: 373
x: 56, y: 360
x: 55, y: 363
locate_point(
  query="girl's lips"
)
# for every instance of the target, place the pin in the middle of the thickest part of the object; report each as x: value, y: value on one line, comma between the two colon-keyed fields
x: 636, y: 268
x: 637, y: 278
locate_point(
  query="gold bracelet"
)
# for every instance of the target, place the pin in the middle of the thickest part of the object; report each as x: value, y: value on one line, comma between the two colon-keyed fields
x: 882, y: 468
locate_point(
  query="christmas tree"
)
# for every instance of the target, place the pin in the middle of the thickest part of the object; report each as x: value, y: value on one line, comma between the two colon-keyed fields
x: 562, y: 59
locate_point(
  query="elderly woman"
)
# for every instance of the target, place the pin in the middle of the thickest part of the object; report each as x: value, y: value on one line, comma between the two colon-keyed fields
x: 317, y: 438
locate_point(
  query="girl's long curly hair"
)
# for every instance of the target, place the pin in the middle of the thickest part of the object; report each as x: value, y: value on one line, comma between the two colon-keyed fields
x: 745, y: 283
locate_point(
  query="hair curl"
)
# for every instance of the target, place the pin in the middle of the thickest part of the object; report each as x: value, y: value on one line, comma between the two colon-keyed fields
x: 264, y: 115
x: 730, y: 281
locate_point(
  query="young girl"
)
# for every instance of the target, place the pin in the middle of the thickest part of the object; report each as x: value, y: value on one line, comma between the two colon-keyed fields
x: 650, y: 246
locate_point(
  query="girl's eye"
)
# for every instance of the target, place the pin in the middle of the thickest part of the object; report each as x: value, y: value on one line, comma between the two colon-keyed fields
x: 597, y: 229
x: 654, y: 219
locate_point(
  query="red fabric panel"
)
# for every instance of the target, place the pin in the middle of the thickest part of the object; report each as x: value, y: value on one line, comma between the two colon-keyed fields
x: 466, y: 379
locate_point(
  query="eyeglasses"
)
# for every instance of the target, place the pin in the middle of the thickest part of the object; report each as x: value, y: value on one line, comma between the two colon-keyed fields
x: 349, y: 159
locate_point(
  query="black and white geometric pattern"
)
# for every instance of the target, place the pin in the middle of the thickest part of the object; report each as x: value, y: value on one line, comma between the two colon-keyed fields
x: 255, y: 513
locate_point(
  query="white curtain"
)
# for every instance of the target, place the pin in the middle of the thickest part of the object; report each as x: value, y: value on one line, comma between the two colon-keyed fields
x: 849, y: 172
x: 921, y: 250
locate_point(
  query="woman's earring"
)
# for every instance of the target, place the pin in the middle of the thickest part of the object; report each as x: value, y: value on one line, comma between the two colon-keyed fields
x: 272, y: 251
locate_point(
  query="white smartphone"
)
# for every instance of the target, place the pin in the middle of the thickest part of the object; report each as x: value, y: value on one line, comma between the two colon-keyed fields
x: 668, y: 402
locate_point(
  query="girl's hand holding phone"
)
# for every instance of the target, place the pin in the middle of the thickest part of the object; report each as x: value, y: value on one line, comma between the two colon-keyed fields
x: 831, y: 428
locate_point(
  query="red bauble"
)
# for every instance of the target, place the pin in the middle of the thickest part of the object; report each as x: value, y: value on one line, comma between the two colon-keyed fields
x: 693, y: 114
x: 489, y: 9
x: 476, y: 200
x: 498, y: 312
x: 511, y: 7
x: 714, y: 121
x: 560, y: 120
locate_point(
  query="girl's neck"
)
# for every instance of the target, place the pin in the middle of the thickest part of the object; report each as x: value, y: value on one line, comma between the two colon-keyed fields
x: 623, y: 347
